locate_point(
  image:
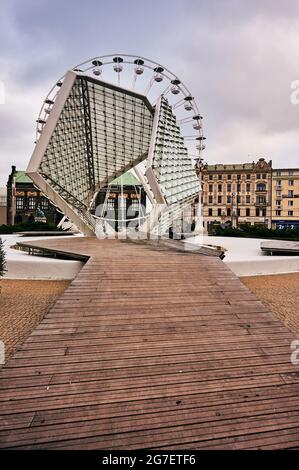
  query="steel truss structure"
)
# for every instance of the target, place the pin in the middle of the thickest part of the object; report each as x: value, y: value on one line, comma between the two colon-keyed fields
x: 94, y: 131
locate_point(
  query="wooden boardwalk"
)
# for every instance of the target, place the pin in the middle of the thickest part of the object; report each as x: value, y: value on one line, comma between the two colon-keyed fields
x: 151, y: 349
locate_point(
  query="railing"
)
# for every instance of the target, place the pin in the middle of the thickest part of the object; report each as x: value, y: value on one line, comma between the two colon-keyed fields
x: 258, y: 204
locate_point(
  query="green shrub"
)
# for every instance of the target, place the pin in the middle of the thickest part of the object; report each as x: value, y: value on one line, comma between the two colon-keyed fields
x: 257, y: 231
x: 29, y: 227
x: 6, y: 229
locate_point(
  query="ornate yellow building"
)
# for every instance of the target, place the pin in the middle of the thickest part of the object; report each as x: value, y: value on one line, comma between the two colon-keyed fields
x: 251, y: 193
x: 237, y: 193
x: 285, y: 198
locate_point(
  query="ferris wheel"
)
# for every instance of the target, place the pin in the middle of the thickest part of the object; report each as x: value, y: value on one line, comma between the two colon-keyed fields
x: 150, y: 79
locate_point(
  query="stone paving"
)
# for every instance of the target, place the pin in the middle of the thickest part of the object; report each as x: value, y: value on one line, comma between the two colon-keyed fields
x: 22, y: 306
x: 280, y: 293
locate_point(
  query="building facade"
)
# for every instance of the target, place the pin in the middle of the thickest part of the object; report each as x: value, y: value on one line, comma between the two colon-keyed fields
x: 24, y: 200
x: 3, y: 206
x: 237, y: 193
x: 285, y: 198
x: 252, y: 193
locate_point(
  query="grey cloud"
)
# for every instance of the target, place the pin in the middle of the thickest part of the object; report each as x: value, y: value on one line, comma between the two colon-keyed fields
x: 237, y: 57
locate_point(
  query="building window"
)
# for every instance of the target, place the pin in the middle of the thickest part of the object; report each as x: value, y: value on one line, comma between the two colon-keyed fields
x: 31, y: 202
x: 135, y: 205
x: 219, y: 212
x: 248, y: 187
x: 210, y: 212
x: 210, y: 177
x: 247, y: 212
x: 219, y: 188
x: 247, y: 199
x: 110, y: 204
x: 278, y: 173
x: 278, y: 202
x: 238, y: 212
x: 261, y: 200
x: 44, y: 204
x: 219, y: 199
x: 229, y: 177
x: 238, y: 199
x: 238, y: 177
x: 228, y: 211
x: 290, y: 203
x: 290, y: 213
x: 229, y: 187
x: 20, y: 203
x: 257, y: 212
x: 264, y: 176
x: 258, y: 176
x: 210, y: 199
x: 248, y: 176
x: 238, y: 187
x: 210, y: 188
x: 290, y: 193
x: 229, y: 199
x: 278, y: 213
x: 291, y: 182
x: 220, y: 177
x: 261, y: 187
x: 264, y: 212
x: 291, y: 172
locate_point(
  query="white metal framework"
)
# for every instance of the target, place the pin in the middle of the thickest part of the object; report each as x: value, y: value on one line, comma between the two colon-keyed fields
x: 91, y: 131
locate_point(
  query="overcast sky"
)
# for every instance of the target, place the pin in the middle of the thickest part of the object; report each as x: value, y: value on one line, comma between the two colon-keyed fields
x: 237, y: 57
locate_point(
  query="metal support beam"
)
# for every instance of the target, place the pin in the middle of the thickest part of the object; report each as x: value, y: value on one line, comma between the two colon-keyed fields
x: 88, y: 132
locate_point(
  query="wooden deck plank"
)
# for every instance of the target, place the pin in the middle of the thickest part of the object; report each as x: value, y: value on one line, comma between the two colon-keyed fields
x: 151, y: 348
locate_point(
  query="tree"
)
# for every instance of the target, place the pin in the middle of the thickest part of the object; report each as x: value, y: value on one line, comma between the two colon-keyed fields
x: 2, y: 259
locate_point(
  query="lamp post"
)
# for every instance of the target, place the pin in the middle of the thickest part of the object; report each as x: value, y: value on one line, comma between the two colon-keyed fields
x: 199, y: 166
x: 235, y: 213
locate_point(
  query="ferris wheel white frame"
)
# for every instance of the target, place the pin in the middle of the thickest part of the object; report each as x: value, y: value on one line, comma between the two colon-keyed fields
x: 183, y: 111
x: 174, y: 84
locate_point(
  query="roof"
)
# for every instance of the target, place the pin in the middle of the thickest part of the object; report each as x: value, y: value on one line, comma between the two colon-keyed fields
x: 127, y: 179
x: 260, y: 165
x: 231, y: 167
x: 21, y: 177
x: 286, y: 169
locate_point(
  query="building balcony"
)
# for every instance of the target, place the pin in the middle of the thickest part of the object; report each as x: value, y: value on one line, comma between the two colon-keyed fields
x: 261, y: 204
